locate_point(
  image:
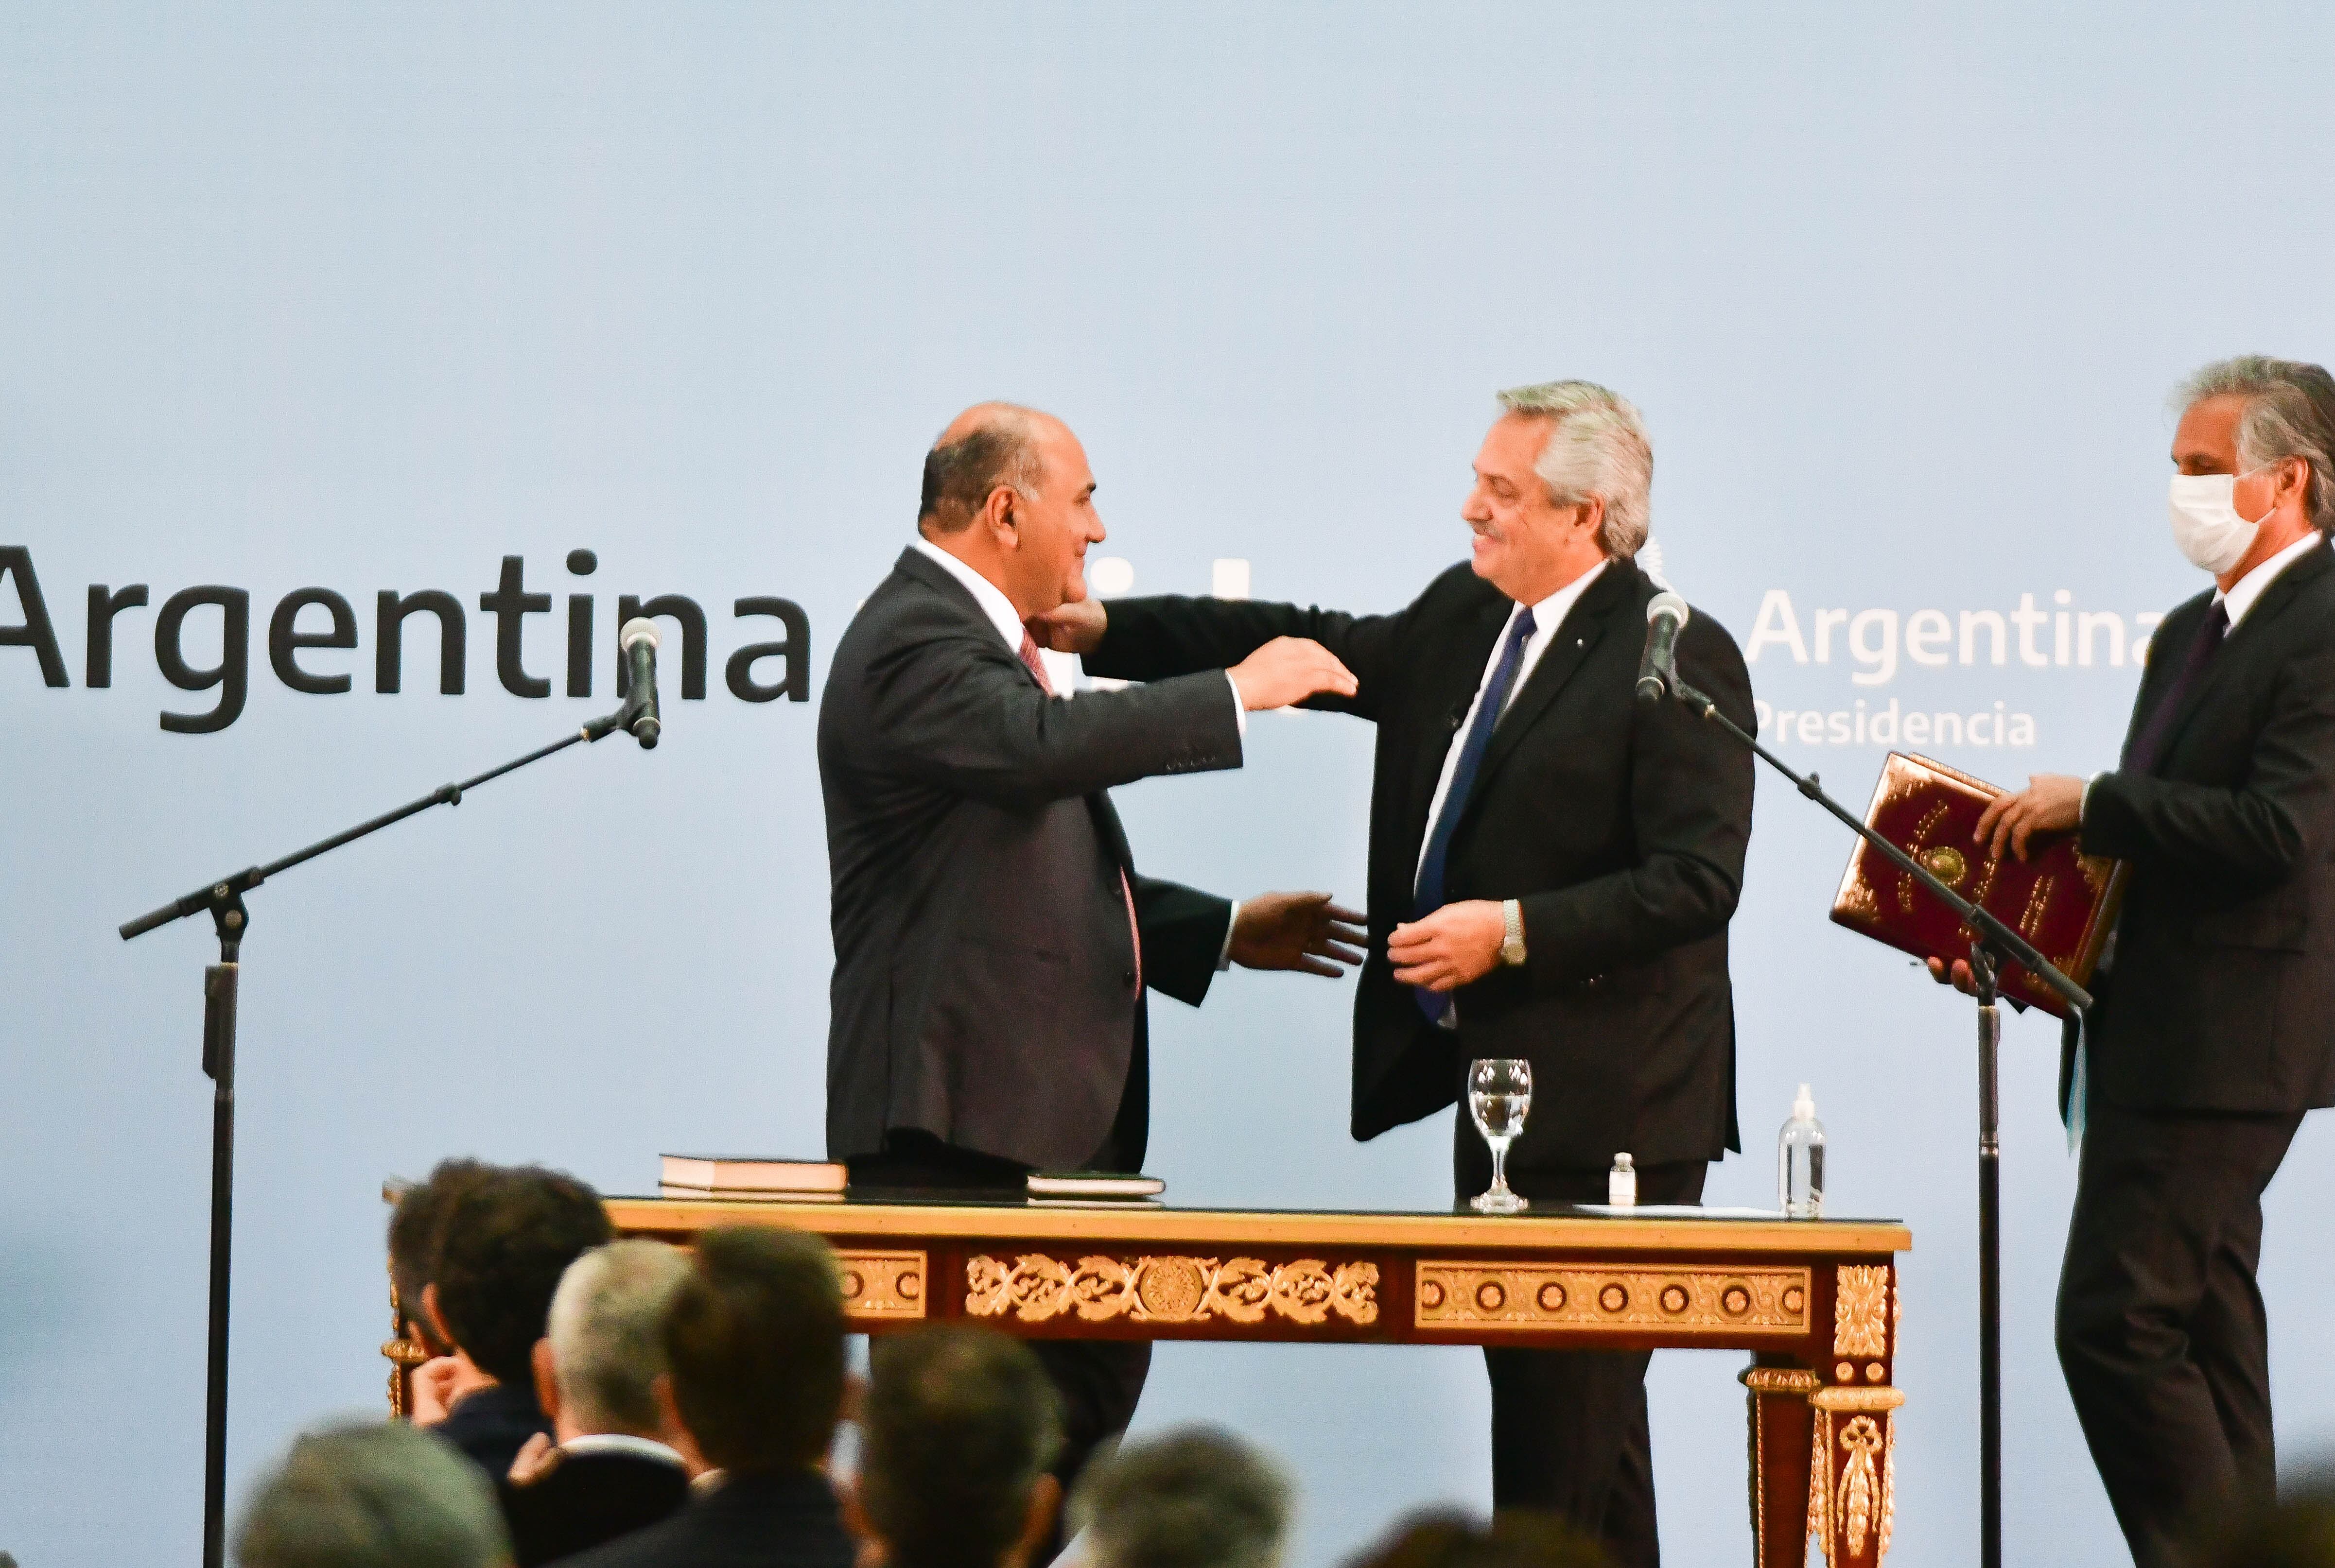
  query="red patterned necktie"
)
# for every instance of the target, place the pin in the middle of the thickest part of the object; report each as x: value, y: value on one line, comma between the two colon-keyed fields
x: 1031, y: 657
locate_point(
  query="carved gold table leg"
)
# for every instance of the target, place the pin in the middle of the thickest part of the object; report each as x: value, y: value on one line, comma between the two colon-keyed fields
x: 1780, y: 1417
x: 1853, y: 1424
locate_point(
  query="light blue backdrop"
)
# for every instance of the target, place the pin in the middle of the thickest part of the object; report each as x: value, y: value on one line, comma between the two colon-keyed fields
x: 368, y: 297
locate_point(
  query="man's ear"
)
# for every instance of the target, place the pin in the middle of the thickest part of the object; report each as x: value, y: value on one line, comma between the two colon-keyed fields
x: 997, y: 517
x: 546, y: 1378
x: 437, y: 1318
x: 1038, y: 1522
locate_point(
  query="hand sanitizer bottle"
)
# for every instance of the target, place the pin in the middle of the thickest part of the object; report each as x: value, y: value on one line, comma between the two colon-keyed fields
x: 1799, y: 1162
x: 1622, y: 1184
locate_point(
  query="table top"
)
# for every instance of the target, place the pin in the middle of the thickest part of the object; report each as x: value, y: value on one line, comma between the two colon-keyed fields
x: 1555, y: 1227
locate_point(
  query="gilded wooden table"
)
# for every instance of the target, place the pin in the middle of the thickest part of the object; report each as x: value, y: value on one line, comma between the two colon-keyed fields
x: 1814, y: 1302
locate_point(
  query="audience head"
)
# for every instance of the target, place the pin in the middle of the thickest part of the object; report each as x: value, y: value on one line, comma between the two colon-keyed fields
x: 753, y: 1338
x: 1518, y: 1538
x: 596, y: 1367
x: 956, y: 1434
x: 378, y: 1495
x: 416, y: 1230
x: 1194, y: 1498
x: 508, y: 1237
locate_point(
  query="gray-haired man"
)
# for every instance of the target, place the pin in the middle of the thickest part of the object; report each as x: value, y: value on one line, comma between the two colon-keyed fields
x: 1553, y: 868
x: 2214, y: 1027
x: 377, y: 1496
x: 1191, y: 1499
x: 622, y: 1461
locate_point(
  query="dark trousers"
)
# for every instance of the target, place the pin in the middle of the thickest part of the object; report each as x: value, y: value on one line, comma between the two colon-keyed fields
x: 1569, y: 1427
x: 2161, y: 1330
x: 1099, y: 1380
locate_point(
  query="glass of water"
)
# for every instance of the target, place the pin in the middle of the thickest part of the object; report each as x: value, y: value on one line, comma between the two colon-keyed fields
x: 1500, y: 1093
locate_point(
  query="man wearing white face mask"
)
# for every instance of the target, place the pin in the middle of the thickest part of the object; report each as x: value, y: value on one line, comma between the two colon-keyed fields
x: 2214, y: 1028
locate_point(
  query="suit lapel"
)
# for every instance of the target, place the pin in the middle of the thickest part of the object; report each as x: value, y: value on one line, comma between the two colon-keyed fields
x: 2244, y: 635
x: 1567, y: 651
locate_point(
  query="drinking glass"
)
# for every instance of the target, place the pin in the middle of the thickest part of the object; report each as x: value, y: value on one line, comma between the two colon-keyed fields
x: 1500, y: 1093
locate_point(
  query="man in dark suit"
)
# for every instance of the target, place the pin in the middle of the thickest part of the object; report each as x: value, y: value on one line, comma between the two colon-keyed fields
x: 2213, y: 1027
x: 619, y: 1463
x: 956, y: 1440
x: 1552, y: 867
x: 508, y: 1236
x: 993, y: 942
x: 753, y: 1340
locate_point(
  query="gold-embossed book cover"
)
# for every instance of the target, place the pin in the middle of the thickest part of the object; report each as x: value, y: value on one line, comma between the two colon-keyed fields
x: 2063, y: 902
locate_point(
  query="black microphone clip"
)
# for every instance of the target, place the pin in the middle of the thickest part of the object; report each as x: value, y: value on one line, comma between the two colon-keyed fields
x: 1666, y: 616
x: 637, y: 640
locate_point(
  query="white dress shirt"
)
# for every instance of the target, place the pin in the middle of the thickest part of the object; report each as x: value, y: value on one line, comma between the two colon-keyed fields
x: 622, y: 1443
x: 1548, y: 617
x: 1008, y: 621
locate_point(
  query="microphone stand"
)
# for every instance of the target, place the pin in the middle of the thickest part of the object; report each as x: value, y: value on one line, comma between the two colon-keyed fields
x: 230, y: 919
x: 1996, y: 944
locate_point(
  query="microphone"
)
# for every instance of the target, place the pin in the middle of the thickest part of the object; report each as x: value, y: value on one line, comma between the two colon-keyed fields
x: 638, y: 640
x: 1666, y: 614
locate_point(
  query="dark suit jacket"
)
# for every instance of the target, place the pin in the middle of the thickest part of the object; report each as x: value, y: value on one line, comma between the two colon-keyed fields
x: 493, y: 1424
x: 749, y: 1521
x: 2221, y: 996
x: 587, y: 1499
x: 1621, y: 829
x: 985, y: 973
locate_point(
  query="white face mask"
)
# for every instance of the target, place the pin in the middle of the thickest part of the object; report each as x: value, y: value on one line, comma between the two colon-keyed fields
x: 2205, y: 523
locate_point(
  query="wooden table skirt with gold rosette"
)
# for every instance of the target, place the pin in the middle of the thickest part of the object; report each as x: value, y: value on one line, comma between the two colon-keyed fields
x: 1814, y: 1302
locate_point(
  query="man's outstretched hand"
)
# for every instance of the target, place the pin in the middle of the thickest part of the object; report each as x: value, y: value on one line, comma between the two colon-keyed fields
x: 1284, y: 670
x: 1073, y: 629
x: 1289, y: 670
x: 1302, y: 931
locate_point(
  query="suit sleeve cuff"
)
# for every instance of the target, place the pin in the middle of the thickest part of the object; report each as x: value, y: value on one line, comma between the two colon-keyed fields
x: 1240, y: 717
x: 1225, y: 954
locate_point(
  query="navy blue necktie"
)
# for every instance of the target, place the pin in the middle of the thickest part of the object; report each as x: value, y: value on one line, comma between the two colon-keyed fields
x: 1429, y: 898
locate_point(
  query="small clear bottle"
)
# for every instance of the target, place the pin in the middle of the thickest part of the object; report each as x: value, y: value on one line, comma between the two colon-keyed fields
x: 1622, y: 1184
x: 1799, y: 1162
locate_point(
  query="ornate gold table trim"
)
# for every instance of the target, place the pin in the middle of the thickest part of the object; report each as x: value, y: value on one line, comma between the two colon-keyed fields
x: 1716, y: 1301
x: 882, y: 1284
x: 1169, y: 1288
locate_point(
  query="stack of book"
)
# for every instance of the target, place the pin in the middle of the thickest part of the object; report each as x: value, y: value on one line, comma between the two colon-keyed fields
x: 729, y: 1175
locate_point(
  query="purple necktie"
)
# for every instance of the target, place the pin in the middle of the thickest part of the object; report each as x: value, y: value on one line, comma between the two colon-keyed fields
x: 2149, y: 749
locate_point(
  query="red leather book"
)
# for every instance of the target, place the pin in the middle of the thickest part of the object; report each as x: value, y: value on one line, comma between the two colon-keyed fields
x: 2063, y: 902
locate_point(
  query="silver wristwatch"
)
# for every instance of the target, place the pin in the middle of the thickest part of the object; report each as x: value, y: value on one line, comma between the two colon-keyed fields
x: 1512, y: 946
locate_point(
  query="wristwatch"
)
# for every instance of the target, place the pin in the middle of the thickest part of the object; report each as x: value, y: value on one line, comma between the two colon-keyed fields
x: 1512, y: 946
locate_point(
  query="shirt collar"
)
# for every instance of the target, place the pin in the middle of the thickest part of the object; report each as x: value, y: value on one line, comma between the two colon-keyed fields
x: 620, y: 1443
x: 987, y: 595
x: 1550, y: 612
x: 2250, y: 588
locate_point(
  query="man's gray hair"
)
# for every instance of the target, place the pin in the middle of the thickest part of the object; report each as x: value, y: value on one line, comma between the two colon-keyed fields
x: 1193, y: 1498
x: 607, y: 1326
x: 382, y: 1495
x: 2289, y: 413
x: 1597, y: 446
